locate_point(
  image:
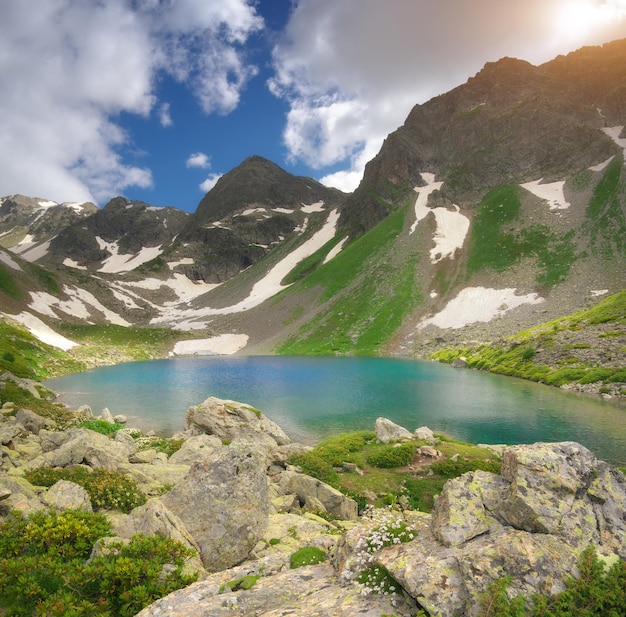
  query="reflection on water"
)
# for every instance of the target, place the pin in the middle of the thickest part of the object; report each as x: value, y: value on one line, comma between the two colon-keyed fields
x: 312, y: 397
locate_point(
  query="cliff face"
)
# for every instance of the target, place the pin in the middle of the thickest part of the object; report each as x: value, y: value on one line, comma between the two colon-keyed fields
x: 510, y: 123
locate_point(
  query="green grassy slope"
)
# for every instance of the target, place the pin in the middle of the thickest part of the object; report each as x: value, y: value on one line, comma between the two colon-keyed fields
x: 586, y: 347
x: 367, y: 291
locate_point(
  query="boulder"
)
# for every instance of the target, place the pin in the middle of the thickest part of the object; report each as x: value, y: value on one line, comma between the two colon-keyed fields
x: 107, y: 416
x: 309, y: 591
x: 65, y: 495
x: 306, y: 487
x: 199, y: 447
x: 81, y: 446
x: 423, y: 433
x: 230, y: 420
x: 387, y: 431
x: 463, y: 510
x: 224, y: 504
x: 30, y: 420
x: 155, y: 519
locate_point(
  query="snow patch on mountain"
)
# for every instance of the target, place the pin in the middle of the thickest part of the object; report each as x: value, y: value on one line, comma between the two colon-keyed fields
x: 118, y: 262
x: 475, y: 304
x: 614, y: 133
x: 316, y: 207
x: 41, y: 331
x: 77, y: 306
x: 269, y: 285
x: 452, y: 226
x: 603, y: 165
x: 6, y: 260
x: 552, y: 192
x: 224, y: 344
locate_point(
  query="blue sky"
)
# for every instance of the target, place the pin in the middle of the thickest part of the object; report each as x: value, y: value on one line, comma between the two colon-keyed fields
x: 155, y: 99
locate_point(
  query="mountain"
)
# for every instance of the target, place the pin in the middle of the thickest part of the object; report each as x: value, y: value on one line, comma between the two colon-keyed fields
x: 495, y: 207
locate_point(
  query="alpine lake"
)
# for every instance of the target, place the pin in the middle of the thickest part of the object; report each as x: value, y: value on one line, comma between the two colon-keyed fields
x: 315, y: 397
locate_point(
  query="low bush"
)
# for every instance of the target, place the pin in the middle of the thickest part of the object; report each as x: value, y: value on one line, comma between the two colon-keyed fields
x: 45, y: 571
x: 392, y: 456
x: 598, y: 591
x: 106, y: 489
x: 101, y: 426
x: 453, y: 469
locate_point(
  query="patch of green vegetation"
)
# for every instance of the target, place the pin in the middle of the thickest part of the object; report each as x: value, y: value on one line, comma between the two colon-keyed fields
x: 366, y: 294
x: 106, y: 489
x: 101, y: 426
x: 245, y: 582
x: 310, y: 263
x: 489, y: 245
x: 392, y: 456
x: 389, y: 483
x: 46, y: 279
x: 512, y: 356
x: 45, y: 567
x: 376, y: 579
x: 161, y: 444
x: 606, y: 224
x: 598, y: 590
x: 306, y: 556
x: 581, y: 180
x: 25, y: 356
x: 8, y: 283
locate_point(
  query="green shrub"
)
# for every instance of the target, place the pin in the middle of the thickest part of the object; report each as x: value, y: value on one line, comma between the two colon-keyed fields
x: 453, y: 469
x: 391, y: 456
x: 306, y: 556
x: 421, y: 492
x: 44, y: 569
x: 101, y: 426
x: 314, y: 465
x: 106, y: 489
x: 598, y: 591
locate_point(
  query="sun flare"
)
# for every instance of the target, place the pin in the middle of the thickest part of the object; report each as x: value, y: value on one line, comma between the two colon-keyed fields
x: 576, y: 19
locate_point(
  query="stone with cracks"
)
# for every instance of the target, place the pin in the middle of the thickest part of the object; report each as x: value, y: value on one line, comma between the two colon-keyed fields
x: 224, y: 504
x: 65, y: 495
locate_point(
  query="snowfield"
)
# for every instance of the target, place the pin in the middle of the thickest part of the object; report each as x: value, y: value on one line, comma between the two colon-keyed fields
x: 452, y: 226
x: 474, y: 304
x: 224, y: 344
x: 41, y: 331
x: 552, y: 192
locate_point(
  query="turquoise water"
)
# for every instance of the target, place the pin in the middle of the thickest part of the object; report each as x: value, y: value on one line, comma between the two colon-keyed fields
x: 313, y: 397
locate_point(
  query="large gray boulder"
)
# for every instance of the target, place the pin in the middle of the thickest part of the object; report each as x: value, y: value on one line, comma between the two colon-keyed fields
x: 387, y: 431
x: 65, y: 495
x: 199, y: 447
x: 224, y: 504
x: 310, y: 591
x: 307, y: 488
x: 81, y: 446
x: 230, y: 420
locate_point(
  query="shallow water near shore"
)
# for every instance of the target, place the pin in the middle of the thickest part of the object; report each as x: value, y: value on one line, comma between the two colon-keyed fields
x: 313, y: 397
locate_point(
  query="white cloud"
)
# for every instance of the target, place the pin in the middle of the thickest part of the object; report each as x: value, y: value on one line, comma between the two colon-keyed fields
x: 210, y: 182
x: 352, y: 70
x: 165, y: 117
x: 68, y: 67
x: 199, y: 159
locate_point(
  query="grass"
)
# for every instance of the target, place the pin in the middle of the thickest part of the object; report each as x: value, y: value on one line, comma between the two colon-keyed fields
x: 606, y: 224
x: 493, y: 243
x: 417, y: 479
x: 366, y: 295
x: 517, y: 355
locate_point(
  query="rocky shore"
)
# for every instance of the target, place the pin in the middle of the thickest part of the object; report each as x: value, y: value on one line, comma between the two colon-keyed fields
x: 230, y: 494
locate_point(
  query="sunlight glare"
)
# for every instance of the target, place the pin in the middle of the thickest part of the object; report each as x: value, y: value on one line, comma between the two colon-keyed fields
x: 579, y: 18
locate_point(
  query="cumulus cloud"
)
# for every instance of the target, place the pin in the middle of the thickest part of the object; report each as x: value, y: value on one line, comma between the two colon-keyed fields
x: 210, y: 182
x: 199, y: 159
x: 352, y: 70
x: 69, y: 67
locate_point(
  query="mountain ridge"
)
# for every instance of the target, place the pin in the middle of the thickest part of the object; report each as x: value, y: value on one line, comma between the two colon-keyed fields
x: 496, y: 206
